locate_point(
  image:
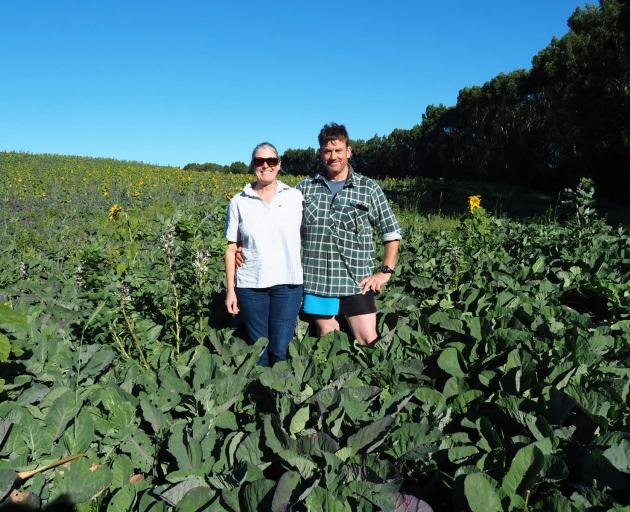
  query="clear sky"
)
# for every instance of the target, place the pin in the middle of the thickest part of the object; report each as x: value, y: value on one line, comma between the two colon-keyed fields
x: 173, y: 82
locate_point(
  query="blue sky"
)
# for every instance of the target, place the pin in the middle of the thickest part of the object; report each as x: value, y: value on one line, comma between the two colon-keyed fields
x: 200, y: 81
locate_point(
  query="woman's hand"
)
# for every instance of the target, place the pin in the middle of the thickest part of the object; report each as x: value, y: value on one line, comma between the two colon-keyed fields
x: 231, y: 303
x: 238, y: 257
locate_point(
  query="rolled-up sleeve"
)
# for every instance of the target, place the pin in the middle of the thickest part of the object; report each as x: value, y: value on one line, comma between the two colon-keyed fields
x: 385, y: 219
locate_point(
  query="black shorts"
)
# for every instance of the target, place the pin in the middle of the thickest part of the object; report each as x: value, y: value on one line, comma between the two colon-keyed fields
x: 353, y: 305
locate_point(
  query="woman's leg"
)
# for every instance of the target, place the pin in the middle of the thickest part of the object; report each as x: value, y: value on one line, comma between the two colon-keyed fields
x: 283, y: 311
x: 254, y: 305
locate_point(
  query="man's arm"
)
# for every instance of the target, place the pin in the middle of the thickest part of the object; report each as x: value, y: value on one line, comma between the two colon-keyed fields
x: 387, y: 224
x: 378, y: 280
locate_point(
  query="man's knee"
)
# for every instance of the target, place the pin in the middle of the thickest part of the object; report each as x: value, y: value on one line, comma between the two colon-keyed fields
x: 367, y: 337
x: 326, y: 325
x: 364, y: 328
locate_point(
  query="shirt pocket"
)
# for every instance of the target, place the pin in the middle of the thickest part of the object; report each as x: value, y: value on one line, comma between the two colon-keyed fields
x: 354, y: 218
x: 314, y: 209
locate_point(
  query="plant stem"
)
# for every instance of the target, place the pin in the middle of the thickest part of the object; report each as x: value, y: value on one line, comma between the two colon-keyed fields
x: 171, y: 273
x: 134, y: 336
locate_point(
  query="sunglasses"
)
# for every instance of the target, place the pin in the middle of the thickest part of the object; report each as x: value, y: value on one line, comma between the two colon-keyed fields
x: 258, y: 162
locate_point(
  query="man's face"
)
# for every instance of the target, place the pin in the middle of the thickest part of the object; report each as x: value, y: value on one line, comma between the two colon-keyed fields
x: 335, y: 155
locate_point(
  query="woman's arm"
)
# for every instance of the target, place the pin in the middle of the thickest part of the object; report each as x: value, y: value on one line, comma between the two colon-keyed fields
x: 230, y: 274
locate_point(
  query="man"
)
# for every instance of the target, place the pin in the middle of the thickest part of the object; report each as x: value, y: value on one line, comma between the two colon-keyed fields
x: 341, y: 208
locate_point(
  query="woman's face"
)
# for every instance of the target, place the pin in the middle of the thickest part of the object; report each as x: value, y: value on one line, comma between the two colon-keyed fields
x: 266, y: 170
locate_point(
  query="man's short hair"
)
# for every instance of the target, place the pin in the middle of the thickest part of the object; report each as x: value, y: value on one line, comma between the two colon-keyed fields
x: 333, y: 131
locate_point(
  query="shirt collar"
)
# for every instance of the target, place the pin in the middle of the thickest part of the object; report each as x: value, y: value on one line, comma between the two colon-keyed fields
x: 249, y: 191
x: 321, y: 176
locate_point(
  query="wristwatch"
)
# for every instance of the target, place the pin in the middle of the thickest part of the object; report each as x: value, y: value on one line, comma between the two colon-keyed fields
x: 387, y: 270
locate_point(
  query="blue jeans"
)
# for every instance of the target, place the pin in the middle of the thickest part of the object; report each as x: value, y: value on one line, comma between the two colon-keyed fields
x: 270, y: 313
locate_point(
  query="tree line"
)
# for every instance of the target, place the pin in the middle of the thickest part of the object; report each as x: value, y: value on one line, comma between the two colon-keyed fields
x: 566, y: 117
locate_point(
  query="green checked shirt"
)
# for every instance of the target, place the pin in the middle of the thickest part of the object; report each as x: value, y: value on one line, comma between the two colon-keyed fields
x: 337, y: 233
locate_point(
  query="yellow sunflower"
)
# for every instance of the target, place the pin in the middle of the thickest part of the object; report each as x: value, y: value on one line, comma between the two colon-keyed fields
x: 474, y: 202
x: 114, y: 211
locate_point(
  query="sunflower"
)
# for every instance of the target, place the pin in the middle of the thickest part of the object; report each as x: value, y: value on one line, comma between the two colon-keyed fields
x: 114, y: 211
x: 474, y: 202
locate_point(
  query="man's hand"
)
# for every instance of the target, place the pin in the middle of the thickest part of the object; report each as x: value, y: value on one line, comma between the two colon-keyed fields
x: 375, y: 282
x: 240, y: 260
x: 231, y: 303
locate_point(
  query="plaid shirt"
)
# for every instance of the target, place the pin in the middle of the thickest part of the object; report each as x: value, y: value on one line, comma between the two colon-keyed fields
x: 337, y: 234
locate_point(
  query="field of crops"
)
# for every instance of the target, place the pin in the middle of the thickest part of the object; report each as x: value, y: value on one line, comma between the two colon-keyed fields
x: 501, y: 382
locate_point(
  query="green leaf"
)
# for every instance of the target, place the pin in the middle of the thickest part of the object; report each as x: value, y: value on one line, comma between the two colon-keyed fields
x: 173, y: 495
x: 123, y: 415
x: 305, y: 467
x: 60, y: 414
x: 449, y: 361
x: 538, y: 265
x: 81, y: 482
x: 599, y: 468
x: 458, y: 454
x: 453, y: 324
x: 11, y: 319
x: 438, y: 317
x: 525, y: 468
x: 196, y: 499
x: 203, y: 365
x: 248, y: 450
x: 474, y: 325
x: 298, y: 422
x: 256, y: 495
x: 320, y: 500
x: 619, y: 455
x: 99, y: 362
x: 409, y: 503
x: 139, y: 446
x: 369, y: 434
x: 429, y: 396
x: 53, y: 395
x: 7, y: 479
x: 5, y: 347
x: 5, y: 426
x: 233, y: 445
x: 344, y: 453
x: 226, y: 420
x: 34, y: 434
x: 152, y: 414
x: 122, y: 469
x: 275, y: 439
x: 81, y: 435
x: 481, y: 492
x: 315, y: 443
x: 123, y: 500
x: 282, y: 495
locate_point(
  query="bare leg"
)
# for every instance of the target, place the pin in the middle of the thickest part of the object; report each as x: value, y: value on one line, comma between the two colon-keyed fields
x: 326, y: 325
x: 363, y: 328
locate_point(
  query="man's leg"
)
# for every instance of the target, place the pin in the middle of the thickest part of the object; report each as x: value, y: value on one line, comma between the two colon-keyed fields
x: 363, y: 328
x: 322, y: 311
x: 324, y: 325
x: 360, y: 312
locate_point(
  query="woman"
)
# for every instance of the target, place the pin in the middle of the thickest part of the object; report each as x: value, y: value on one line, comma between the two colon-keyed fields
x: 265, y: 219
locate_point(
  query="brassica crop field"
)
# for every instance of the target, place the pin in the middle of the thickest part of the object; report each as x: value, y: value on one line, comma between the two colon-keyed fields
x: 500, y: 383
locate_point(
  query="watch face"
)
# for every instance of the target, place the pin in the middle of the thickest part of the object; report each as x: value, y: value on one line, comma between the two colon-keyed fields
x: 387, y: 270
